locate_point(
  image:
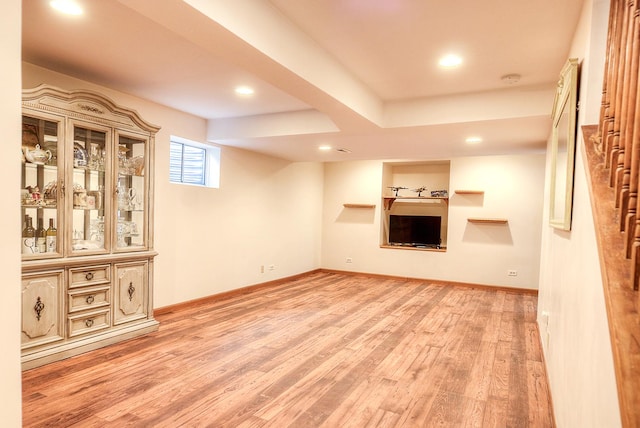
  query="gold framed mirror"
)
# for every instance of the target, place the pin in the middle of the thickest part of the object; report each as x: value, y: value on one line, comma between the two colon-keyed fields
x: 563, y: 144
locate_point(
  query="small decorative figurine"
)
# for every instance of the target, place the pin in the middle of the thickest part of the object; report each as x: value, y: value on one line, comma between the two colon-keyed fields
x: 419, y: 191
x: 396, y: 188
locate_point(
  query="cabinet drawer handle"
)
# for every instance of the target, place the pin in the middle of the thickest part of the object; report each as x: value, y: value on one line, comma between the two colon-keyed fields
x: 131, y: 290
x: 89, y: 276
x: 90, y: 299
x: 39, y: 307
x: 88, y: 322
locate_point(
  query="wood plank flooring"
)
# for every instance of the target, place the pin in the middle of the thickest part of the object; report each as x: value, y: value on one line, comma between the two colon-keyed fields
x: 323, y: 350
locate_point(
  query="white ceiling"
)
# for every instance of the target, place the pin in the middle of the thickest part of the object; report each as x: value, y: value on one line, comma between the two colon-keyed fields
x: 361, y: 75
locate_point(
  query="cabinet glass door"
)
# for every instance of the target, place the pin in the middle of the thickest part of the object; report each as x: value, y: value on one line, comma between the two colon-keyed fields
x: 89, y: 159
x: 39, y: 194
x: 131, y: 193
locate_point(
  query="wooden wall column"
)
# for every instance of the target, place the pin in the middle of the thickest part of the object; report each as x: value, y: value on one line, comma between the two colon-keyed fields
x: 611, y: 77
x: 629, y: 205
x: 621, y: 164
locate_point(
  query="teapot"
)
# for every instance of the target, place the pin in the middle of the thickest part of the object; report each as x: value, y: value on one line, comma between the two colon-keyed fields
x: 37, y: 155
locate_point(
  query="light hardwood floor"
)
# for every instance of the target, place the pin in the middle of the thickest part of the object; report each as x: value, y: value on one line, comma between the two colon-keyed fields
x: 324, y: 350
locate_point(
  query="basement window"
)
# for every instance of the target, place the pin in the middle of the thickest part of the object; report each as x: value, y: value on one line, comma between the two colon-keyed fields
x: 194, y: 163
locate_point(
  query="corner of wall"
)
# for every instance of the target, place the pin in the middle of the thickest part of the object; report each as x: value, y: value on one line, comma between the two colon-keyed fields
x: 10, y: 299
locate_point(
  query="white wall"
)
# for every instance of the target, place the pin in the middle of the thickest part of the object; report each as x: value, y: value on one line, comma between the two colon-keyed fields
x: 266, y: 212
x: 10, y: 387
x: 571, y: 308
x: 477, y: 254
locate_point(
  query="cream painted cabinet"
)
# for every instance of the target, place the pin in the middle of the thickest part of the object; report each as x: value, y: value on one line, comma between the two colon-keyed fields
x: 131, y: 294
x: 87, y: 210
x: 42, y: 308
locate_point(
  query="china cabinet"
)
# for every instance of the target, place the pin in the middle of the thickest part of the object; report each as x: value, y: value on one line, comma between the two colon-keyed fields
x: 87, y: 210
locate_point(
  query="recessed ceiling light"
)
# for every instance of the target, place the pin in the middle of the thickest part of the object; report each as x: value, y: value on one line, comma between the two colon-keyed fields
x: 473, y: 140
x: 244, y: 90
x: 68, y: 7
x: 324, y: 148
x: 450, y: 61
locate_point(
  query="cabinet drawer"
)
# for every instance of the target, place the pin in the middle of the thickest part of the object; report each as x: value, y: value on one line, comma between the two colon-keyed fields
x: 80, y: 277
x: 89, y: 322
x: 89, y: 298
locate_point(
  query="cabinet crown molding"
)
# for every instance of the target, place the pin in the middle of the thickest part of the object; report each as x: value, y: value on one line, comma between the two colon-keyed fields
x: 81, y: 102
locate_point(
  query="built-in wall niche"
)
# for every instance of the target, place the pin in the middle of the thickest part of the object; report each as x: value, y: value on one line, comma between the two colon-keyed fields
x: 415, y: 205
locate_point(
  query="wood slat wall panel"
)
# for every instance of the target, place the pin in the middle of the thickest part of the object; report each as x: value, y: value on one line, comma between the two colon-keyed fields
x: 617, y: 276
x: 614, y: 157
x: 619, y: 128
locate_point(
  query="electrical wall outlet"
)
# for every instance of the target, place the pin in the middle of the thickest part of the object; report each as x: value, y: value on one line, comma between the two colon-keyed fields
x: 349, y: 260
x: 262, y: 269
x: 512, y: 272
x: 545, y: 330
